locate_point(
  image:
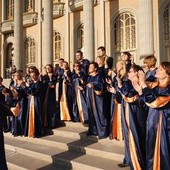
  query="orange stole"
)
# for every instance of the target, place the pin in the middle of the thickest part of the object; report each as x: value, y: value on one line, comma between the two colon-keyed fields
x: 159, y: 102
x: 45, y: 108
x: 31, y: 124
x: 117, y: 125
x: 79, y: 104
x: 16, y: 110
x: 156, y: 160
x: 132, y: 146
x: 64, y: 111
x: 130, y: 99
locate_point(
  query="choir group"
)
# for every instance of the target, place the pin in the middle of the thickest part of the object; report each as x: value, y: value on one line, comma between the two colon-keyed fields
x: 129, y: 102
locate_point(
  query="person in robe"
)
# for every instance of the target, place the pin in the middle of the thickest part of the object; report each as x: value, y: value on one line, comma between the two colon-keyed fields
x: 128, y: 58
x: 101, y: 52
x: 80, y: 112
x: 34, y: 124
x: 150, y: 67
x: 84, y: 62
x: 157, y: 97
x: 19, y: 119
x: 134, y: 115
x: 94, y: 97
x: 66, y: 100
x: 49, y: 81
x: 4, y: 111
x: 115, y: 113
x: 59, y: 73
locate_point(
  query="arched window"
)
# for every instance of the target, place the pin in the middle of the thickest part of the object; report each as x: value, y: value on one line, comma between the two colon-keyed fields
x: 30, y: 5
x: 166, y: 16
x: 30, y: 51
x: 80, y: 37
x: 57, y: 45
x: 124, y: 33
x: 10, y: 9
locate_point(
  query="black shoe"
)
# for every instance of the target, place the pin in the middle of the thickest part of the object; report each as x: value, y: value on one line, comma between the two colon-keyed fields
x: 122, y: 165
x: 91, y: 134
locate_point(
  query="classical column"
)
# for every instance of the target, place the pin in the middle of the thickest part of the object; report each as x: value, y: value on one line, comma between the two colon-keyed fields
x: 67, y: 35
x: 2, y: 41
x: 48, y: 32
x: 146, y: 43
x: 40, y: 35
x: 88, y: 14
x: 102, y: 25
x: 18, y: 34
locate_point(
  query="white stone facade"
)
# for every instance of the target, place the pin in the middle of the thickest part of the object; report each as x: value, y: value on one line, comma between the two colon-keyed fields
x: 38, y: 32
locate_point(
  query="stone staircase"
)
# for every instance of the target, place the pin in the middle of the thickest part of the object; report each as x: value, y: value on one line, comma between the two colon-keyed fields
x: 65, y: 148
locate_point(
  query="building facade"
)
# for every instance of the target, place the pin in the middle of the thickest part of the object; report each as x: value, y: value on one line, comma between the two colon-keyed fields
x: 39, y: 32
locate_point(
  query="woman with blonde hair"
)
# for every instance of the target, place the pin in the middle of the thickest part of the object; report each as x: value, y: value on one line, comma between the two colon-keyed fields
x: 112, y: 87
x: 150, y: 67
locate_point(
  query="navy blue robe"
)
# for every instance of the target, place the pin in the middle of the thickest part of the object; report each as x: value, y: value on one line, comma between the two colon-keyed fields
x: 4, y: 111
x: 85, y: 65
x: 97, y: 118
x: 66, y: 101
x: 150, y: 75
x: 35, y: 91
x: 49, y: 105
x: 158, y: 127
x: 18, y: 122
x: 80, y: 112
x: 116, y: 100
x: 134, y: 115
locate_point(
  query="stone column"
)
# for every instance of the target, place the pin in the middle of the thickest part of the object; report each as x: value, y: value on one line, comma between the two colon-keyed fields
x: 88, y: 14
x: 18, y: 34
x: 48, y: 32
x: 67, y: 36
x: 146, y: 42
x: 40, y: 35
x: 2, y: 41
x: 102, y: 25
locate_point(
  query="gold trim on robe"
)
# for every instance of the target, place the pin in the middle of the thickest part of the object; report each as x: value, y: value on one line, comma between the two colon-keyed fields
x: 132, y: 146
x: 64, y: 111
x: 159, y: 102
x: 156, y: 160
x: 131, y: 99
x: 79, y: 104
x: 117, y: 125
x: 31, y: 123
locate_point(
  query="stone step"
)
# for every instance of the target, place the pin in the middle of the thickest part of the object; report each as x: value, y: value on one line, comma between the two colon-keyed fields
x: 75, y: 124
x: 22, y: 153
x: 80, y: 161
x: 107, y: 149
x: 79, y: 132
x: 18, y: 161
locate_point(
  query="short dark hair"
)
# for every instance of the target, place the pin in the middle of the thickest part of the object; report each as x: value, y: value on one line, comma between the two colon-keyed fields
x: 80, y: 52
x: 95, y: 64
x: 61, y: 59
x: 101, y: 48
x: 136, y: 68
